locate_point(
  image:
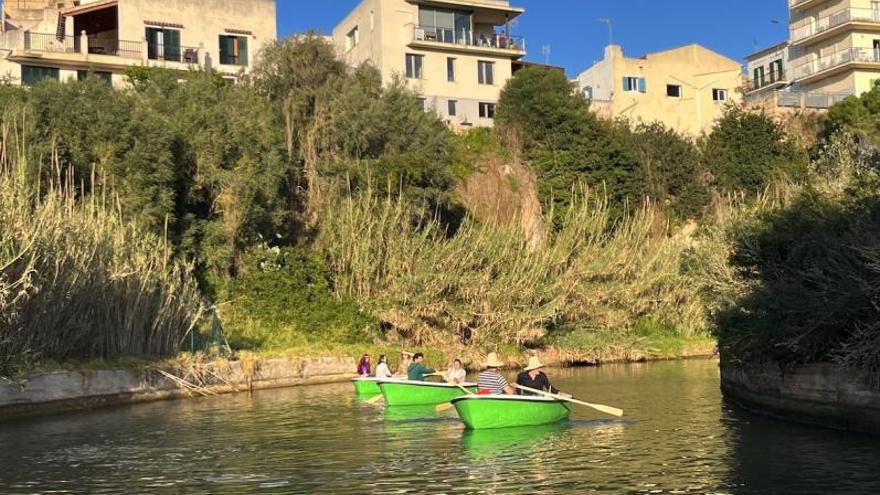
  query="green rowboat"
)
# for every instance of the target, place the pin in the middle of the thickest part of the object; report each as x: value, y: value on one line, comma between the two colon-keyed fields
x: 412, y: 393
x: 365, y: 386
x: 482, y: 412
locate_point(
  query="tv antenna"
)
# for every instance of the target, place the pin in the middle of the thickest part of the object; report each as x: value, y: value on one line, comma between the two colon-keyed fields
x: 545, y: 50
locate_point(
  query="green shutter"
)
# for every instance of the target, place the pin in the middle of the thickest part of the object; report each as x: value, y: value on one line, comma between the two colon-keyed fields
x: 153, y: 43
x: 172, y: 44
x: 225, y: 49
x: 243, y: 50
x: 643, y: 85
x: 624, y: 85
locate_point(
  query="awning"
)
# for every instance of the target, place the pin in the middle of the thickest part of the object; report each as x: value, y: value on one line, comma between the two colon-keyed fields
x: 89, y: 7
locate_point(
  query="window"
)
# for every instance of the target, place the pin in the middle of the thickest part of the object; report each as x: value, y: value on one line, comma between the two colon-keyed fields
x: 453, y: 108
x: 107, y: 77
x: 163, y: 44
x: 588, y: 92
x: 759, y: 77
x: 777, y: 68
x: 447, y: 26
x: 352, y: 39
x: 423, y: 103
x: 233, y: 50
x: 487, y: 110
x: 632, y: 84
x: 31, y: 75
x: 450, y: 69
x: 486, y: 72
x: 719, y: 94
x: 414, y: 65
x: 673, y: 91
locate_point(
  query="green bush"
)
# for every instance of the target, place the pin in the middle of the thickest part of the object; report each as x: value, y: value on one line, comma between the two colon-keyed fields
x: 284, y: 298
x: 747, y: 151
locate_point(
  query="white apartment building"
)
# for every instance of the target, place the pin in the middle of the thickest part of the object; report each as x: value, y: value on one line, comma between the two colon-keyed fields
x: 457, y: 53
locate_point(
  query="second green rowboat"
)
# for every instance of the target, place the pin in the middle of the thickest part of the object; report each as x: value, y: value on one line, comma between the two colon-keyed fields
x: 366, y: 386
x: 412, y: 393
x: 481, y: 412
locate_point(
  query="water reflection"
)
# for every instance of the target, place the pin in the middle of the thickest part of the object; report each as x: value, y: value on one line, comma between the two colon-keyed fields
x: 678, y: 437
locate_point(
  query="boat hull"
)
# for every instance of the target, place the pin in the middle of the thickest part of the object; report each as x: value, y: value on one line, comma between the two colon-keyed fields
x: 410, y: 393
x: 366, y: 386
x: 490, y: 412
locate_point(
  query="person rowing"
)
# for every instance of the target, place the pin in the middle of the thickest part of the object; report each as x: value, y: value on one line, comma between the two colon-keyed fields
x: 490, y: 381
x: 532, y: 377
x: 417, y: 370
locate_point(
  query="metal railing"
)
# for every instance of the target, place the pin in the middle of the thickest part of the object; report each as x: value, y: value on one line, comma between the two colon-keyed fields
x: 833, y: 20
x: 469, y: 38
x: 774, y: 78
x: 45, y: 42
x: 841, y: 57
x: 51, y: 43
x: 809, y: 99
x: 173, y: 53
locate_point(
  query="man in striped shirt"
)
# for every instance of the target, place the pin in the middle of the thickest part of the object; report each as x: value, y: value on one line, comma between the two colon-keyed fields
x: 490, y: 381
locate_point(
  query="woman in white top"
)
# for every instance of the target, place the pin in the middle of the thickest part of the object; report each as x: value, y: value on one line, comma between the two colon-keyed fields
x: 455, y: 374
x: 382, y: 370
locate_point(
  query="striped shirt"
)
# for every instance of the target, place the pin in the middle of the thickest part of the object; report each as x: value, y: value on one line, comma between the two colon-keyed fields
x: 493, y: 382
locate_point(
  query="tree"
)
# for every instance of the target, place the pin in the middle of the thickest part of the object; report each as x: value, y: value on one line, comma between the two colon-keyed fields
x: 564, y: 142
x: 748, y: 150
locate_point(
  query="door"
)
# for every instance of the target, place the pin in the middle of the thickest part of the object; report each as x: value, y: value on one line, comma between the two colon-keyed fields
x: 876, y: 50
x: 875, y: 11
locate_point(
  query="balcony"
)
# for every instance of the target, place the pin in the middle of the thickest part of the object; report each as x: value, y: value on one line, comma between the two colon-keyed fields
x: 837, y: 62
x: 803, y: 4
x: 774, y: 81
x: 73, y: 52
x: 487, y: 42
x: 827, y: 26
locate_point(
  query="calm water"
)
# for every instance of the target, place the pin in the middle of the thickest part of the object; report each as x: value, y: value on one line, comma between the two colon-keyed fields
x: 679, y: 437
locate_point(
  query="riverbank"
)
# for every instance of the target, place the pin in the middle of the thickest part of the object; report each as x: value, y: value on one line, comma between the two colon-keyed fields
x: 820, y: 394
x: 79, y: 386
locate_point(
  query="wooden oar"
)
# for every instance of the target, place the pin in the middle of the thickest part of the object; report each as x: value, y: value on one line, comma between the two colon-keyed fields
x: 599, y: 407
x: 374, y: 400
x: 448, y: 405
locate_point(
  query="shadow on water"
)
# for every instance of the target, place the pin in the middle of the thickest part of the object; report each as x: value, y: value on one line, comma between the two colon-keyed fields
x: 772, y: 456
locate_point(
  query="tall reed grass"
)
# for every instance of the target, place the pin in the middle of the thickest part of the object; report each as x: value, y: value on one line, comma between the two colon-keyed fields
x: 487, y: 285
x: 78, y: 281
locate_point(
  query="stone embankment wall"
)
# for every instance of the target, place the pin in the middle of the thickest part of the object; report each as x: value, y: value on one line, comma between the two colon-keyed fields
x: 820, y: 394
x: 58, y: 391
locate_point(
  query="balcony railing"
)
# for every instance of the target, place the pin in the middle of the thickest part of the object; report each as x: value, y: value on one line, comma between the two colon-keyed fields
x: 846, y: 56
x: 831, y: 21
x: 756, y: 84
x: 44, y: 42
x: 469, y: 38
x: 173, y: 53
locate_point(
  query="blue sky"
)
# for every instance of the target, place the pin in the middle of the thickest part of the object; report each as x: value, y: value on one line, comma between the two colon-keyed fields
x: 577, y: 39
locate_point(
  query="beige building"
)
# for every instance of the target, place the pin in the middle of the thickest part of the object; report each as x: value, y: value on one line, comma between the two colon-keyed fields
x: 70, y: 39
x: 685, y: 88
x: 457, y: 53
x: 835, y: 45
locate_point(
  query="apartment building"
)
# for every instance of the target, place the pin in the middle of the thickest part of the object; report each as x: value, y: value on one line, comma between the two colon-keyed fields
x: 685, y: 88
x: 768, y: 70
x: 72, y: 39
x: 835, y: 46
x: 457, y: 53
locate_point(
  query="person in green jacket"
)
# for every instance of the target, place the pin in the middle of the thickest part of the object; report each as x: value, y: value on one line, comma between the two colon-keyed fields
x: 417, y: 371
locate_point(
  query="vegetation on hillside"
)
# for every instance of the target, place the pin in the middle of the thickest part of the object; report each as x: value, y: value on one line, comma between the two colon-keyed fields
x: 321, y: 207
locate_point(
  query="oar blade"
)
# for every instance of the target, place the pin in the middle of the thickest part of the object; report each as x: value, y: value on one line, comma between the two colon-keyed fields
x: 444, y: 407
x: 613, y: 411
x: 374, y: 400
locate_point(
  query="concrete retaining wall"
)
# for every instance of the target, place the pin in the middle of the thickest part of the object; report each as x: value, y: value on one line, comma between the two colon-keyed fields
x: 820, y: 394
x: 57, y: 391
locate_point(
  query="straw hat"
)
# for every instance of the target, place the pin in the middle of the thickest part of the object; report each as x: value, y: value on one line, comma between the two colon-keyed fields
x: 534, y: 363
x: 492, y: 361
x: 406, y: 353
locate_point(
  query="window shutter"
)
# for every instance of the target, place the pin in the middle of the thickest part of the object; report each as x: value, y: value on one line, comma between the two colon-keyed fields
x: 625, y: 86
x: 643, y: 85
x: 172, y: 44
x: 243, y: 50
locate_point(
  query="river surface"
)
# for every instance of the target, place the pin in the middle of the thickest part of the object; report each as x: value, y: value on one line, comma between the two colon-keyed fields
x: 679, y: 436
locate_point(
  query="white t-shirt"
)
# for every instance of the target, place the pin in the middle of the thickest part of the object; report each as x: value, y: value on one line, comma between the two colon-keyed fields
x: 453, y: 374
x: 382, y: 371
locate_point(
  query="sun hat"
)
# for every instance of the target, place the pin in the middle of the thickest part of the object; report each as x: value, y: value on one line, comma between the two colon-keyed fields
x: 406, y: 353
x: 492, y: 361
x: 534, y: 363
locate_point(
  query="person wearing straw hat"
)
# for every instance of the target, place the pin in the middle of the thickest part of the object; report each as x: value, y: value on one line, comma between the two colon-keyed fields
x: 403, y: 366
x: 533, y: 377
x: 490, y: 381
